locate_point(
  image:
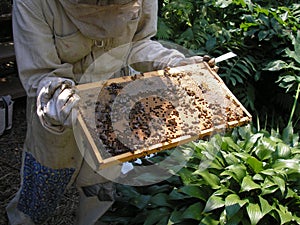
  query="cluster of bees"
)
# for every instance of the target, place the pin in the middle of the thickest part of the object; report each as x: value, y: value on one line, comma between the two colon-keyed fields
x: 154, y: 111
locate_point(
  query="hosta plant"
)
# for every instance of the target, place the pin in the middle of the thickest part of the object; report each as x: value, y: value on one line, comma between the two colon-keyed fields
x: 245, y: 177
x: 252, y: 179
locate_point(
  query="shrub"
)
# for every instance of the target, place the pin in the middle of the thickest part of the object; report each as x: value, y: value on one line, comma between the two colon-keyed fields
x: 257, y: 31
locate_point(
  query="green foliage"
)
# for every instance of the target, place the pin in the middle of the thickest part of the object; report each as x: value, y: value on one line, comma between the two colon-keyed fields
x: 245, y: 177
x: 290, y: 79
x: 249, y: 175
x: 259, y: 32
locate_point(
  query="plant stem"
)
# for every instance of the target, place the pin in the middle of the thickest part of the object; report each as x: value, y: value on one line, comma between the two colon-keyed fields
x: 294, y: 105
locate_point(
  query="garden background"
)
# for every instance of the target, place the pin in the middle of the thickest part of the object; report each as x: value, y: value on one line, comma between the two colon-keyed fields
x: 254, y: 171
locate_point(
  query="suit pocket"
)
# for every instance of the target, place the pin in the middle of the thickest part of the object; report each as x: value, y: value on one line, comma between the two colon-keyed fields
x: 73, y: 47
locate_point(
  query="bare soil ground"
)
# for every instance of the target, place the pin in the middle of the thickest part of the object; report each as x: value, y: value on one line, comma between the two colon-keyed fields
x: 11, y: 144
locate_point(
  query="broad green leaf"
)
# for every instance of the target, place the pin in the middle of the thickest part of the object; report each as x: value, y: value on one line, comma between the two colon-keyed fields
x: 252, y: 141
x: 246, y: 26
x: 195, y: 191
x: 254, y: 213
x: 236, y: 219
x: 222, y: 217
x: 187, y: 176
x: 297, y: 46
x: 209, y: 220
x: 128, y: 191
x: 160, y: 199
x: 237, y: 171
x: 141, y: 201
x: 230, y: 158
x: 263, y: 34
x: 296, y: 68
x: 269, y: 190
x: 211, y: 158
x: 154, y: 189
x: 235, y: 199
x: 287, y: 134
x: 281, y: 183
x: 255, y: 164
x: 295, y: 140
x: 163, y: 221
x: 263, y: 153
x: 232, y: 146
x: 244, y: 131
x: 292, y: 54
x: 242, y: 155
x: 276, y: 65
x: 227, y: 174
x: 295, y: 54
x: 295, y: 151
x: 222, y: 192
x: 233, y: 204
x: 223, y: 3
x: 288, y: 79
x: 209, y: 178
x: 193, y: 211
x: 269, y: 172
x: 258, y: 177
x: 263, y: 15
x: 214, y: 202
x: 156, y: 215
x: 269, y: 143
x: 177, y: 195
x: 291, y: 164
x: 176, y: 217
x: 269, y: 187
x: 212, y: 164
x: 292, y: 194
x: 265, y: 206
x: 248, y: 184
x: 284, y: 214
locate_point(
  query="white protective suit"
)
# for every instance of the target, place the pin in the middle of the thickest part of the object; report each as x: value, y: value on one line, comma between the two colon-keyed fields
x: 64, y: 38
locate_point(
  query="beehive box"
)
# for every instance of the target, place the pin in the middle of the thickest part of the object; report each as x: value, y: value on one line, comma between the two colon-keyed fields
x: 125, y: 118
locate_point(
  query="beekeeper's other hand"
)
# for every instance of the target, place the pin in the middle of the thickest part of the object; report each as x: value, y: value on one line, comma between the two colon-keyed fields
x: 197, y: 59
x: 57, y: 103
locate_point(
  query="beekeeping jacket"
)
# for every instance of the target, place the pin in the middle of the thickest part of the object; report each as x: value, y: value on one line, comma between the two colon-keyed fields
x: 84, y: 42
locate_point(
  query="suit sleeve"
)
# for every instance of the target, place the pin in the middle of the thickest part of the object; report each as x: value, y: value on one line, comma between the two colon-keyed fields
x: 35, y: 49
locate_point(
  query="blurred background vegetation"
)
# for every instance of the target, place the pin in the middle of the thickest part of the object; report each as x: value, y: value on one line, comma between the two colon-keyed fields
x: 264, y: 35
x: 254, y: 171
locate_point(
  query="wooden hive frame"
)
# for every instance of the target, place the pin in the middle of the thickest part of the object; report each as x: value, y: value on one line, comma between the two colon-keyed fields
x: 87, y: 140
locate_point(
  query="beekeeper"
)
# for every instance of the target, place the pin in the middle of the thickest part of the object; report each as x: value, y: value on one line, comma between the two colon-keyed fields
x: 56, y: 43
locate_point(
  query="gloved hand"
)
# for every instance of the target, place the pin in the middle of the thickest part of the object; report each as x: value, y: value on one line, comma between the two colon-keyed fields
x: 196, y: 59
x: 211, y: 62
x: 56, y: 99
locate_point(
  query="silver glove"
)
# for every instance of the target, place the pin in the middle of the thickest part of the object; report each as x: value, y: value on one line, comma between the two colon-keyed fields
x: 56, y: 102
x: 196, y: 59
